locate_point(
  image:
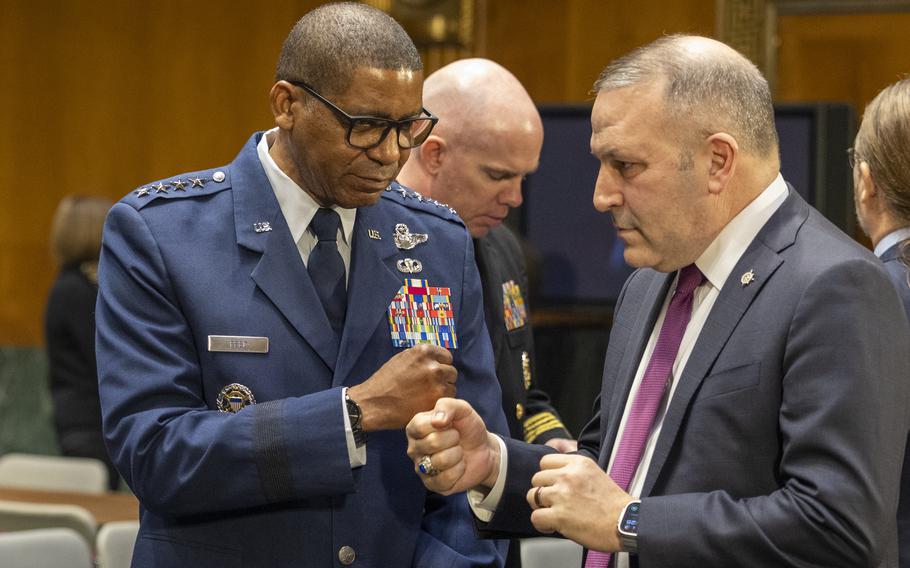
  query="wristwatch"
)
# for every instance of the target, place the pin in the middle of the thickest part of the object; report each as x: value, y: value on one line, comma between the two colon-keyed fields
x: 628, y: 527
x: 356, y: 417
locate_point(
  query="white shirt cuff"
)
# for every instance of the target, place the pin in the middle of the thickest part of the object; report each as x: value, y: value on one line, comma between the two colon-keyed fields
x: 357, y: 456
x: 484, y: 505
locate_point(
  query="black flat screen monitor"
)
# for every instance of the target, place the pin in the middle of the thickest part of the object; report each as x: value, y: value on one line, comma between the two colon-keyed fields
x: 581, y: 257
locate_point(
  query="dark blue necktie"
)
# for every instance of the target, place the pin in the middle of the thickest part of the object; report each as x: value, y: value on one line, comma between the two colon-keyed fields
x: 326, y: 268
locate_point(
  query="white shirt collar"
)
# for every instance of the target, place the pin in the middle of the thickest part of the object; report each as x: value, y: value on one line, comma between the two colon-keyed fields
x: 721, y: 256
x: 890, y: 240
x: 296, y: 204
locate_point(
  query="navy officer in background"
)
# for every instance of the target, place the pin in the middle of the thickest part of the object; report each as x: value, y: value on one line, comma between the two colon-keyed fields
x: 267, y: 328
x: 488, y: 139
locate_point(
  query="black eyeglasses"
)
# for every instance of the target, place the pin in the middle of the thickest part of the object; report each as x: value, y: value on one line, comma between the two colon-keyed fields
x: 853, y: 158
x: 365, y: 132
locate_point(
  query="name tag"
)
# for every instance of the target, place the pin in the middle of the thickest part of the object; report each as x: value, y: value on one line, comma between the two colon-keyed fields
x: 238, y: 344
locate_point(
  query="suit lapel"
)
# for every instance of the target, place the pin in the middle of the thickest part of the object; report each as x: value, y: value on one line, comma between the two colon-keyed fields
x: 763, y: 258
x: 371, y: 286
x: 280, y: 272
x: 631, y: 357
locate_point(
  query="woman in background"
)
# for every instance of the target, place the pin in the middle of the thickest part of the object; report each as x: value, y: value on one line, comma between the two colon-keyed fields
x: 69, y: 328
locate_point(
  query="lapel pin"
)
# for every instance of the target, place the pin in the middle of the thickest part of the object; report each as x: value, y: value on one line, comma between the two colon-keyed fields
x: 747, y: 278
x: 262, y: 227
x: 410, y: 266
x: 374, y: 234
x: 405, y: 239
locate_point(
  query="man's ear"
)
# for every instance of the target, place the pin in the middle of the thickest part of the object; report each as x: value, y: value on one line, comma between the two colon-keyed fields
x: 281, y: 99
x: 723, y: 151
x: 867, y: 193
x: 433, y: 152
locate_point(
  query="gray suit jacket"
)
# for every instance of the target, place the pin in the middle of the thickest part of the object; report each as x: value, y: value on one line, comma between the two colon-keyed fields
x: 783, y: 443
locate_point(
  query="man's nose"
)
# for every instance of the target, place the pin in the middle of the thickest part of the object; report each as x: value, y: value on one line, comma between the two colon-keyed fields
x: 511, y: 196
x: 606, y: 191
x: 387, y: 151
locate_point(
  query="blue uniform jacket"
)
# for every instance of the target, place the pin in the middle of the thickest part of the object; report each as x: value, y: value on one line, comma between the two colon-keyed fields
x: 210, y: 253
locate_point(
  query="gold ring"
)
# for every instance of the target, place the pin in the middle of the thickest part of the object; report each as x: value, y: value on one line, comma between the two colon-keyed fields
x: 537, y: 498
x: 426, y: 467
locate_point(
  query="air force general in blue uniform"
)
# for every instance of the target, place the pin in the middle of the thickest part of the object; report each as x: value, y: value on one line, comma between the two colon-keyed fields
x: 269, y: 481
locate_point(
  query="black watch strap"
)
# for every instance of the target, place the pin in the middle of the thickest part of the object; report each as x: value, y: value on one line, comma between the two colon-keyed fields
x: 355, y: 415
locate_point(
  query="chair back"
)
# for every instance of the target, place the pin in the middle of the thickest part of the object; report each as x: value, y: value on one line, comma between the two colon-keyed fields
x: 20, y: 516
x: 545, y: 552
x: 115, y: 544
x: 53, y: 473
x: 44, y: 548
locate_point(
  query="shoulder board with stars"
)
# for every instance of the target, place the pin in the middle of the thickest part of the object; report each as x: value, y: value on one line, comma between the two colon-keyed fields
x: 204, y: 182
x: 410, y: 198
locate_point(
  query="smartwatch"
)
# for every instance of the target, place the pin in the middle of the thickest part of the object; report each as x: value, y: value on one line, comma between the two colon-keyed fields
x: 356, y: 417
x: 628, y: 527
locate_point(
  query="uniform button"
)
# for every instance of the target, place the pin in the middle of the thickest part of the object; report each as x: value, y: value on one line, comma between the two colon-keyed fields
x: 519, y: 411
x: 218, y: 176
x: 346, y: 555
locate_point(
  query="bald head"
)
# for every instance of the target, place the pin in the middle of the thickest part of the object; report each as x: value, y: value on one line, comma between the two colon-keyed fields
x: 708, y: 87
x: 487, y: 139
x: 473, y: 97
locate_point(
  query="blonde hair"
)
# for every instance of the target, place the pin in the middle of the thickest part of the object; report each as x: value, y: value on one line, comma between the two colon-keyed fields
x: 882, y: 142
x: 76, y: 229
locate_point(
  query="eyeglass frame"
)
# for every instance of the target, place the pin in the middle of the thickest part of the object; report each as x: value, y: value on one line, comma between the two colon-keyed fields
x: 853, y: 158
x: 349, y: 120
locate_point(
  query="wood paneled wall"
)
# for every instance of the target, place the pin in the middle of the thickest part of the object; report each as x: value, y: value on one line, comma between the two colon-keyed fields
x: 98, y: 97
x: 841, y: 57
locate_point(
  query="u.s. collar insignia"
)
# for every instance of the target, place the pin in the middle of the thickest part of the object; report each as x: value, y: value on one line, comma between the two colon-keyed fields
x: 234, y: 397
x: 405, y: 239
x: 747, y: 278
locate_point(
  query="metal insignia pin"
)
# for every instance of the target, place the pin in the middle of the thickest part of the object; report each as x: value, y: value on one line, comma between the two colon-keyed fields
x: 234, y: 398
x: 197, y: 182
x: 405, y: 239
x: 262, y: 227
x: 178, y: 184
x: 410, y: 266
x: 142, y: 191
x: 747, y: 277
x: 161, y: 187
x: 374, y: 234
x: 526, y: 369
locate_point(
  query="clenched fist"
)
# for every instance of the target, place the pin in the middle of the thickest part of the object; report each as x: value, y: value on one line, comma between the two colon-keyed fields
x: 410, y: 382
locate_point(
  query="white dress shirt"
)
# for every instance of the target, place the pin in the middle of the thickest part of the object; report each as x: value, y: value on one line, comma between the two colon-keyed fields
x: 890, y: 240
x: 299, y: 209
x: 716, y: 263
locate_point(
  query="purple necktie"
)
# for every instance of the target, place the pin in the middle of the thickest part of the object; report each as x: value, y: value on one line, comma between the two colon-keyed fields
x: 651, y: 390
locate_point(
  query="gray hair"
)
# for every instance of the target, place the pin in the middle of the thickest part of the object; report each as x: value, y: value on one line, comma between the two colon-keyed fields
x: 717, y: 91
x: 329, y: 42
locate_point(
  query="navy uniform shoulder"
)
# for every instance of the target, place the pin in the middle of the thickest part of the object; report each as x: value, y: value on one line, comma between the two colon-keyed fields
x: 413, y: 200
x: 183, y: 186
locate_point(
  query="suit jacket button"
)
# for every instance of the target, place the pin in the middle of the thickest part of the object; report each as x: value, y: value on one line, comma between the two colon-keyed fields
x: 346, y: 555
x: 519, y: 411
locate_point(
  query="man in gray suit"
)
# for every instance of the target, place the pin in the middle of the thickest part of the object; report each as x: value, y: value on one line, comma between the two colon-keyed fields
x: 750, y: 413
